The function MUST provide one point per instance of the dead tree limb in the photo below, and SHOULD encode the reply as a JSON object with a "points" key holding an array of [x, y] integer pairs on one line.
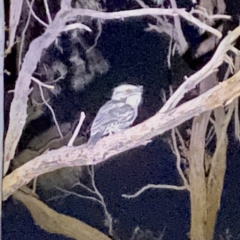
{"points": [[221, 95], [54, 222]]}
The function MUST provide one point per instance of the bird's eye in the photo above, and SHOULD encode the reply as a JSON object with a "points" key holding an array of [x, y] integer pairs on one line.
{"points": [[128, 90]]}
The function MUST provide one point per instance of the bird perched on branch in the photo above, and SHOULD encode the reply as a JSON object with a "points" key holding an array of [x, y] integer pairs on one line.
{"points": [[118, 113]]}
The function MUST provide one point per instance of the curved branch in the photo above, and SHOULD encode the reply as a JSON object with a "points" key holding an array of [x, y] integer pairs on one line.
{"points": [[212, 66], [139, 135], [54, 222], [152, 186]]}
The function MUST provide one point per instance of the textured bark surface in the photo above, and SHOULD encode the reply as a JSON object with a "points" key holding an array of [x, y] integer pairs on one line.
{"points": [[198, 191], [206, 189], [206, 179]]}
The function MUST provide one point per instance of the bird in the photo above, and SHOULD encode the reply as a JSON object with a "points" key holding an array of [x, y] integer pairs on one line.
{"points": [[118, 113]]}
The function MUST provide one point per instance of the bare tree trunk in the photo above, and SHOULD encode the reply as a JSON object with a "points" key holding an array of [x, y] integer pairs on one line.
{"points": [[216, 176], [207, 173], [198, 190]]}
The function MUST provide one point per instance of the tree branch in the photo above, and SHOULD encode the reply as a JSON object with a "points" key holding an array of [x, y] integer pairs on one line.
{"points": [[113, 145], [218, 58], [54, 222], [152, 186]]}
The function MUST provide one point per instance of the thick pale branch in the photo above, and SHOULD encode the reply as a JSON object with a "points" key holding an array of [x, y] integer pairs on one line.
{"points": [[215, 181], [144, 12], [54, 222], [18, 113], [131, 138], [212, 66], [18, 110]]}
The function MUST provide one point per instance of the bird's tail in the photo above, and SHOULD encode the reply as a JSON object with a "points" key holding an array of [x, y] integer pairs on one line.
{"points": [[94, 139]]}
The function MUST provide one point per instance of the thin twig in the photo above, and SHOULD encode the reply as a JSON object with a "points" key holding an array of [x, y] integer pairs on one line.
{"points": [[42, 84], [98, 35], [180, 138], [68, 193], [84, 187], [82, 117], [210, 135], [56, 80], [47, 11], [77, 25], [35, 16], [100, 196], [152, 186], [169, 52], [236, 105], [209, 17], [179, 159], [50, 108], [144, 12]]}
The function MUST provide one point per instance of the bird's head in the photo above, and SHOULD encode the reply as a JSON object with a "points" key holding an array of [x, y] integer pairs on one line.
{"points": [[128, 91]]}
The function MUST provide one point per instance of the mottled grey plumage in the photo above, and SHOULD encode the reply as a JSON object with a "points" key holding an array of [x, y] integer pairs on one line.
{"points": [[118, 113]]}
